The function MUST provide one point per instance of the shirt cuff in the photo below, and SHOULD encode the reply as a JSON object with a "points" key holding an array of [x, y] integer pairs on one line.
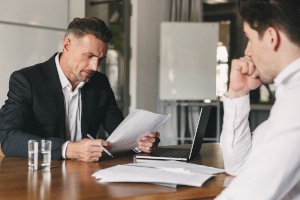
{"points": [[64, 149], [240, 104], [235, 111]]}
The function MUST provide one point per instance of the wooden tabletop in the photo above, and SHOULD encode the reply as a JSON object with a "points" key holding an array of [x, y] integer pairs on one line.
{"points": [[69, 179]]}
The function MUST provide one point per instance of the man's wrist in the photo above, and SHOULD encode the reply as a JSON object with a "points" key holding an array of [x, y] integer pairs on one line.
{"points": [[233, 95]]}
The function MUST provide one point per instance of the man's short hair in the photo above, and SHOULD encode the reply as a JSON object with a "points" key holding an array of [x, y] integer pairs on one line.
{"points": [[283, 15], [89, 25]]}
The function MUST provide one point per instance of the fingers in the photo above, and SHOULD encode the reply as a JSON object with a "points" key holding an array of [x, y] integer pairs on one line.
{"points": [[92, 156], [99, 142], [254, 75], [243, 77], [151, 137], [150, 142], [86, 150], [247, 66], [154, 134]]}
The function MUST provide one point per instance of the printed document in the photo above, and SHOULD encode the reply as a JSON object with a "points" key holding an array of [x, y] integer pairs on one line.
{"points": [[137, 124], [166, 173]]}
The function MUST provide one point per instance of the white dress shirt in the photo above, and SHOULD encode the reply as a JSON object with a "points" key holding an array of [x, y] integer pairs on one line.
{"points": [[73, 107], [267, 161]]}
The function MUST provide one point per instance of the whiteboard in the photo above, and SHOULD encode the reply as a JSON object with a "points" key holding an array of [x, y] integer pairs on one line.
{"points": [[187, 69], [23, 46]]}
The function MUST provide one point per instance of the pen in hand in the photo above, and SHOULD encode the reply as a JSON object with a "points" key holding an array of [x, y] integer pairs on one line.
{"points": [[104, 149]]}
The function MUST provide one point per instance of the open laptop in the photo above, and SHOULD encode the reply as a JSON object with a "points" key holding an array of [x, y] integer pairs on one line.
{"points": [[181, 154]]}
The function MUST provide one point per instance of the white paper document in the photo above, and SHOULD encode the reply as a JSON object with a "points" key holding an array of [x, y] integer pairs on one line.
{"points": [[166, 173], [136, 125], [173, 165]]}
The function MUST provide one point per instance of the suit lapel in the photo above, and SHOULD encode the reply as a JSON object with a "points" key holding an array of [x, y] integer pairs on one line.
{"points": [[87, 98], [55, 91], [54, 88]]}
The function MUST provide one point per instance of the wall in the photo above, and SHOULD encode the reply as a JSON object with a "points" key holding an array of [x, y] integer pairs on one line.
{"points": [[144, 66], [31, 32], [145, 29]]}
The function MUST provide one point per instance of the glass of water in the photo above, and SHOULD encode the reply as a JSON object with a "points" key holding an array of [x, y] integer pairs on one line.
{"points": [[39, 154]]}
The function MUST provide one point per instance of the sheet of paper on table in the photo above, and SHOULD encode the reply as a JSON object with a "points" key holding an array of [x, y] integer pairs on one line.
{"points": [[166, 173], [136, 125]]}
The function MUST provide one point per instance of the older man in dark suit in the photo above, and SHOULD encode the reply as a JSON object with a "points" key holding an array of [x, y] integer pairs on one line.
{"points": [[64, 99]]}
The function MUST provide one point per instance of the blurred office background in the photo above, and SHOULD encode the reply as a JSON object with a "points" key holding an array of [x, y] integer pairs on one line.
{"points": [[33, 30]]}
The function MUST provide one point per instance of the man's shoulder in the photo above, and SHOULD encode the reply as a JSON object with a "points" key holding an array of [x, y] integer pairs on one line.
{"points": [[39, 68], [36, 67], [36, 74]]}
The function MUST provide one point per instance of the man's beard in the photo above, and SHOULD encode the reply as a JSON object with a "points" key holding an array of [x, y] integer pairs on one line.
{"points": [[79, 78]]}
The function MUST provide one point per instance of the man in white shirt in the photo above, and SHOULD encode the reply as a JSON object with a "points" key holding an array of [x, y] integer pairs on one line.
{"points": [[266, 163]]}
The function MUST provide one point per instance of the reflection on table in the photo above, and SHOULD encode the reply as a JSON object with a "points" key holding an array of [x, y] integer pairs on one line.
{"points": [[70, 179]]}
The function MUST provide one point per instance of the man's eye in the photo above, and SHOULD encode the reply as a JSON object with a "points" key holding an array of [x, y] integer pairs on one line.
{"points": [[89, 56], [102, 61]]}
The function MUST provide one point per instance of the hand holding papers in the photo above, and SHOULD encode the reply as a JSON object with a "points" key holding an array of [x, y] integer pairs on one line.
{"points": [[167, 173], [136, 125]]}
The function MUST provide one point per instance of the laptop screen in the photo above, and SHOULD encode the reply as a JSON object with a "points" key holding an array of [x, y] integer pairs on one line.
{"points": [[200, 130]]}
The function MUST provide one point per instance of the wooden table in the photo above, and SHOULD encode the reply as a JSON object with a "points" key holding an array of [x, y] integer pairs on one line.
{"points": [[69, 179]]}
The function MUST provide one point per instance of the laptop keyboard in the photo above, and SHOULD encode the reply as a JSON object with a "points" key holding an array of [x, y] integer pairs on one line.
{"points": [[176, 153]]}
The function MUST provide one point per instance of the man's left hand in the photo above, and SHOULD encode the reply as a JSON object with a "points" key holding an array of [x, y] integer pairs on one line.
{"points": [[149, 143]]}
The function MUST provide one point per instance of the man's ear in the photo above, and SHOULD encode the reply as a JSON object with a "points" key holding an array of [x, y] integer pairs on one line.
{"points": [[273, 38], [66, 44]]}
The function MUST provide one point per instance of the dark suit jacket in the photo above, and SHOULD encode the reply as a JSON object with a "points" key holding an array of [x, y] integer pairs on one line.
{"points": [[35, 109]]}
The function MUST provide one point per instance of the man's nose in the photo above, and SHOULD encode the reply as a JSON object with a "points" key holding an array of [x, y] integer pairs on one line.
{"points": [[247, 51], [94, 64]]}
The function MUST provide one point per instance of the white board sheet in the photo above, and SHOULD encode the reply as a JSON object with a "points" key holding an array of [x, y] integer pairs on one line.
{"points": [[188, 60]]}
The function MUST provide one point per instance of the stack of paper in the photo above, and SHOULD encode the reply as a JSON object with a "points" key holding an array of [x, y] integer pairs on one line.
{"points": [[167, 173]]}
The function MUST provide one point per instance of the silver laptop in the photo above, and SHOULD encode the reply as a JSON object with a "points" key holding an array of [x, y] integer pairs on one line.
{"points": [[181, 154]]}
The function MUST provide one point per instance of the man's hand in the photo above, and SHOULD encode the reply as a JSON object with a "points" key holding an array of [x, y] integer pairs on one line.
{"points": [[243, 77], [86, 150], [149, 143]]}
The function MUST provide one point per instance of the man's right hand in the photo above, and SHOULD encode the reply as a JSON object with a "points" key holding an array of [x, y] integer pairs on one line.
{"points": [[86, 150], [243, 77]]}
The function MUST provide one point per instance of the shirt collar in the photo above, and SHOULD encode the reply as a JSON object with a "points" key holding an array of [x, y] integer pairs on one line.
{"points": [[287, 72]]}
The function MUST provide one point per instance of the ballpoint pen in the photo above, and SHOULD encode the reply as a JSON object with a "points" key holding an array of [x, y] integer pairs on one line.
{"points": [[104, 149]]}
